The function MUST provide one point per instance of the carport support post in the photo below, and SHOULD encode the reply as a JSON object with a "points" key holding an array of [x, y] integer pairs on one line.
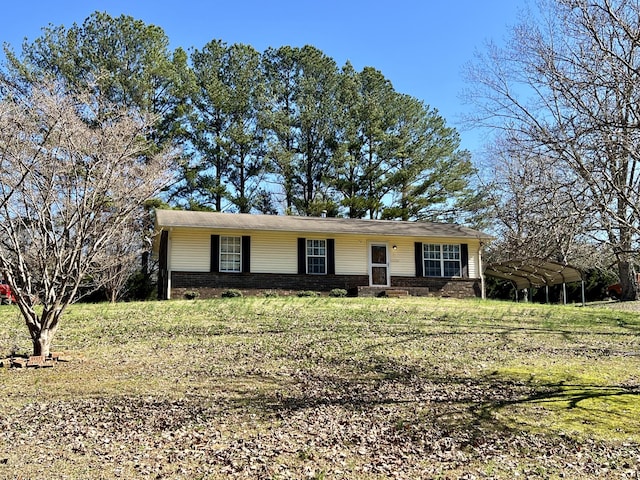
{"points": [[546, 292], [483, 288]]}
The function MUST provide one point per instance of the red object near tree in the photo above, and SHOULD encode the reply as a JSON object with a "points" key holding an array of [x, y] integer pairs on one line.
{"points": [[6, 295], [615, 290]]}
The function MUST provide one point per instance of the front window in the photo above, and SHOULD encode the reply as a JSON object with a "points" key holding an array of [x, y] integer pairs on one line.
{"points": [[441, 260], [317, 256], [230, 254]]}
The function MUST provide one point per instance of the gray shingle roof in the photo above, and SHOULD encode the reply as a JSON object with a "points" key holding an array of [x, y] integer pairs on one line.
{"points": [[243, 221]]}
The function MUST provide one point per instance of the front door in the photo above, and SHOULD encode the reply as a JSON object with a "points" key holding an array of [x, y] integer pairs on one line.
{"points": [[378, 265]]}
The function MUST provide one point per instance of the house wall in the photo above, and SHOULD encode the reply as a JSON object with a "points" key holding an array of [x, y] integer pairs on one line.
{"points": [[274, 264], [276, 252], [189, 250], [213, 284]]}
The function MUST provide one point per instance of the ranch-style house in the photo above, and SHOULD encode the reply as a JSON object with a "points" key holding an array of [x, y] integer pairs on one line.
{"points": [[212, 252]]}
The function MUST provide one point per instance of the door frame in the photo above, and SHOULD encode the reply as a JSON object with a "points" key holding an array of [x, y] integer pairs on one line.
{"points": [[371, 244]]}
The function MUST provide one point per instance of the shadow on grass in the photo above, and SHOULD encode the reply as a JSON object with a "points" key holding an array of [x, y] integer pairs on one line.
{"points": [[466, 409], [567, 395], [422, 392], [571, 338]]}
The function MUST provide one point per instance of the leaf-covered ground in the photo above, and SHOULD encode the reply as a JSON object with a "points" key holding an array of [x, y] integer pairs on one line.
{"points": [[326, 388]]}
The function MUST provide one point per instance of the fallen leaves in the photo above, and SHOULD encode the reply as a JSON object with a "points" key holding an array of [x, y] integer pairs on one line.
{"points": [[332, 395], [334, 430]]}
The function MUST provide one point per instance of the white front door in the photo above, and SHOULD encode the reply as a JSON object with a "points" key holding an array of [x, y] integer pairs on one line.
{"points": [[378, 265]]}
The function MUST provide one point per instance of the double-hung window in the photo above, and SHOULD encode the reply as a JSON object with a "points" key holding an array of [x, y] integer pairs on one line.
{"points": [[316, 256], [230, 254], [442, 260]]}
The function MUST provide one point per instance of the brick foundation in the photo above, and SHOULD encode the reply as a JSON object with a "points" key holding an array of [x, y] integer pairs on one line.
{"points": [[213, 284]]}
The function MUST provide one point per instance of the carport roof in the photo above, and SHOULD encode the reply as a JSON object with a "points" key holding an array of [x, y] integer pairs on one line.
{"points": [[534, 272]]}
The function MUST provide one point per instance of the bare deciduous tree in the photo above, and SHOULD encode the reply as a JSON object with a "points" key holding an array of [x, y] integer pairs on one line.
{"points": [[72, 183], [538, 215], [120, 260], [568, 87]]}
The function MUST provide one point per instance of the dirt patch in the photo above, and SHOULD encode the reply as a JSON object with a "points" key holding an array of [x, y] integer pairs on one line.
{"points": [[616, 305]]}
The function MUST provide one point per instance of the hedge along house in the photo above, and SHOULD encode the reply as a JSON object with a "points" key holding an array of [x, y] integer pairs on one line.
{"points": [[211, 252]]}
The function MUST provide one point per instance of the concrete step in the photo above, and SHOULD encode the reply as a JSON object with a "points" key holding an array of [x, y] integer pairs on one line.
{"points": [[396, 293]]}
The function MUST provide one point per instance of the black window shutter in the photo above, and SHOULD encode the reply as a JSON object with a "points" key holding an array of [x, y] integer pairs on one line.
{"points": [[302, 256], [163, 261], [419, 260], [331, 256], [215, 253], [464, 258], [246, 254], [163, 265]]}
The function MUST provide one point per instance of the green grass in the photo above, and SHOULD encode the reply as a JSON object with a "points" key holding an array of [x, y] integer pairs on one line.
{"points": [[326, 388]]}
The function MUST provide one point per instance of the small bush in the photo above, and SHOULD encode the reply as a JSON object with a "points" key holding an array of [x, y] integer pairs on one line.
{"points": [[191, 294], [271, 294], [308, 293], [231, 293], [338, 292], [140, 287]]}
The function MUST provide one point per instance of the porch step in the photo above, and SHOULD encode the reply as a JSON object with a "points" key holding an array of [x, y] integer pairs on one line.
{"points": [[396, 293], [401, 291]]}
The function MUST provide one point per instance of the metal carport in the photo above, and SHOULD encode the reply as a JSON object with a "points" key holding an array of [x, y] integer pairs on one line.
{"points": [[535, 272]]}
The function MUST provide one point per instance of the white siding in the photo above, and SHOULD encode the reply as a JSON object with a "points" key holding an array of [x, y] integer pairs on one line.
{"points": [[277, 252], [190, 250], [403, 262], [274, 252], [473, 260], [351, 255]]}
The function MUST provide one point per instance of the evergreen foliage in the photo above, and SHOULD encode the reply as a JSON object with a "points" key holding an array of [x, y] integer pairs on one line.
{"points": [[282, 131]]}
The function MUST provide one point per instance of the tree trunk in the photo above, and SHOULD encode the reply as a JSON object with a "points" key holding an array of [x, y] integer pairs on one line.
{"points": [[628, 281], [41, 328], [42, 343], [626, 269]]}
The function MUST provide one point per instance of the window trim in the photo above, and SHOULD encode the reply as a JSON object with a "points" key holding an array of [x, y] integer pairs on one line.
{"points": [[442, 260], [239, 254], [325, 256]]}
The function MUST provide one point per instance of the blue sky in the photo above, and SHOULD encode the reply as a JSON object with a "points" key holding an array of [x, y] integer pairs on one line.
{"points": [[420, 45]]}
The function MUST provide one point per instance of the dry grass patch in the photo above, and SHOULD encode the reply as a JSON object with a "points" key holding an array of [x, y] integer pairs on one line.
{"points": [[326, 388]]}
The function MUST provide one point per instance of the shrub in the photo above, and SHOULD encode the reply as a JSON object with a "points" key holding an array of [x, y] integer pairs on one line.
{"points": [[271, 294], [308, 293], [140, 287], [338, 292], [191, 294], [231, 293]]}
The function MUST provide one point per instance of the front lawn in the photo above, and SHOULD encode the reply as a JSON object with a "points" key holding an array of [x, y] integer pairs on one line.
{"points": [[278, 388]]}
